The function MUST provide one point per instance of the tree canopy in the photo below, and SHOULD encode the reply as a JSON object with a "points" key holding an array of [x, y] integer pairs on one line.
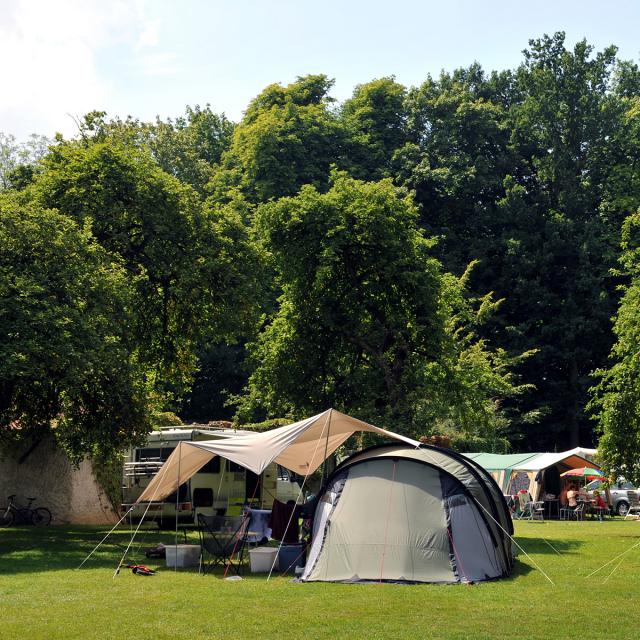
{"points": [[66, 357], [444, 257]]}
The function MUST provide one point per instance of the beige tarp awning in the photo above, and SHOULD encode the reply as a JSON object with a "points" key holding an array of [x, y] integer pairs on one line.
{"points": [[301, 447]]}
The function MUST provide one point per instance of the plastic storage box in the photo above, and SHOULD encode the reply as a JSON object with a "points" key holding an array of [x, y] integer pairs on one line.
{"points": [[261, 559], [291, 556], [182, 555]]}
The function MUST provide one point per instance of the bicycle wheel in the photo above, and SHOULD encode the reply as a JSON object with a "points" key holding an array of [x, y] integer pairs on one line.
{"points": [[41, 517], [6, 518]]}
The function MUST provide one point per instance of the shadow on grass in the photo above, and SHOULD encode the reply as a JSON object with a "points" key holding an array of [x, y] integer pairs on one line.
{"points": [[552, 546], [32, 549]]}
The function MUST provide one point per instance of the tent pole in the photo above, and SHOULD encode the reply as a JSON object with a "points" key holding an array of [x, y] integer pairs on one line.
{"points": [[177, 502], [326, 448], [313, 457]]}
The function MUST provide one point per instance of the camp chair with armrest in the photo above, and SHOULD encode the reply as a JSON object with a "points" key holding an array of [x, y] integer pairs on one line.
{"points": [[523, 507], [527, 511], [222, 541]]}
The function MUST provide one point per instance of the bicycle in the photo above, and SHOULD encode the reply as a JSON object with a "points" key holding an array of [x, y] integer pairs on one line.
{"points": [[13, 514]]}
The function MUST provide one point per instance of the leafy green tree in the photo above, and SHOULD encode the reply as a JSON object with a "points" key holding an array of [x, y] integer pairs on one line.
{"points": [[366, 321], [456, 162], [359, 309], [468, 391], [17, 159], [565, 125], [375, 118], [193, 267], [67, 360], [288, 137], [616, 400], [187, 147], [516, 170]]}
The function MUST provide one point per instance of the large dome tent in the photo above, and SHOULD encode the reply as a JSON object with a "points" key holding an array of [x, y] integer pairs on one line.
{"points": [[401, 514]]}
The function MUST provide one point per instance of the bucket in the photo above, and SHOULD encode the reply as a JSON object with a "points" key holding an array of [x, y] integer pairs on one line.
{"points": [[291, 556]]}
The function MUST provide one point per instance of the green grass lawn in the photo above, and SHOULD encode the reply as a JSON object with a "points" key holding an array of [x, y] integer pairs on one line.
{"points": [[42, 595]]}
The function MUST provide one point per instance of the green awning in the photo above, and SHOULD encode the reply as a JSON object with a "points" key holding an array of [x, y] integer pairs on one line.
{"points": [[500, 462]]}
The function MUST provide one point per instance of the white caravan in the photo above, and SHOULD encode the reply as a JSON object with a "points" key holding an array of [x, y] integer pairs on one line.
{"points": [[221, 487]]}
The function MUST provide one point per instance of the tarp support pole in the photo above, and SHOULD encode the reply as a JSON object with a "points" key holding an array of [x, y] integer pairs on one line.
{"points": [[177, 502], [313, 457]]}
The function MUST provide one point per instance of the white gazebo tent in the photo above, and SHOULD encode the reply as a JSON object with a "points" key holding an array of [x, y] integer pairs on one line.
{"points": [[300, 447]]}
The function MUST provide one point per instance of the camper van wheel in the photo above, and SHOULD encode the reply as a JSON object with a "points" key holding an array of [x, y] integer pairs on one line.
{"points": [[622, 508]]}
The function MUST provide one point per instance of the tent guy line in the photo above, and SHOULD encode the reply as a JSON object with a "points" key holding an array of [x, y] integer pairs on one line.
{"points": [[124, 555], [606, 564], [509, 535], [535, 564]]}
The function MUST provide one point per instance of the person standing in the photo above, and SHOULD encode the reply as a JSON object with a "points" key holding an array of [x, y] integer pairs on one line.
{"points": [[572, 497]]}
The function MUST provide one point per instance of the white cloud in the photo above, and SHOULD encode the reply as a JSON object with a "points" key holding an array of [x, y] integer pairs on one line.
{"points": [[148, 37], [49, 54], [158, 64]]}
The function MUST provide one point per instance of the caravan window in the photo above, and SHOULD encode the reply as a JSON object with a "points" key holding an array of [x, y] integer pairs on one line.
{"points": [[213, 466], [153, 454], [148, 455], [203, 497], [232, 466]]}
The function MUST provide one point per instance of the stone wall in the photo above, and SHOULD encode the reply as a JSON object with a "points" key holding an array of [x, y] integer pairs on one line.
{"points": [[72, 495]]}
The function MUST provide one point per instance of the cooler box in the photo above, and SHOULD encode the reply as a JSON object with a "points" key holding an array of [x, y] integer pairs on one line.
{"points": [[261, 559], [291, 556], [182, 555]]}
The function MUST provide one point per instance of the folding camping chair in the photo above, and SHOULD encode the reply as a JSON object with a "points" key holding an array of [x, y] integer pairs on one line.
{"points": [[524, 510], [578, 512], [222, 541], [537, 511]]}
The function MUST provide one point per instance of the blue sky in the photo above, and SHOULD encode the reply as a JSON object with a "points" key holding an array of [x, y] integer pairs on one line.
{"points": [[62, 58]]}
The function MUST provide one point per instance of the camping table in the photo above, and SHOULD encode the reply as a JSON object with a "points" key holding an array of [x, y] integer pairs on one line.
{"points": [[552, 508]]}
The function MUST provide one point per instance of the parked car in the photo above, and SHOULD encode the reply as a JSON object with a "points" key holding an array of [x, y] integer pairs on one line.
{"points": [[623, 495]]}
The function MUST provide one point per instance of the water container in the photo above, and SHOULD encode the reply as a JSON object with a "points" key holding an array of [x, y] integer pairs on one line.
{"points": [[291, 556]]}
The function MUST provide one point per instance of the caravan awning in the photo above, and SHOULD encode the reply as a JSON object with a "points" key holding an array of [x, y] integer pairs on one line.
{"points": [[546, 460], [301, 447]]}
